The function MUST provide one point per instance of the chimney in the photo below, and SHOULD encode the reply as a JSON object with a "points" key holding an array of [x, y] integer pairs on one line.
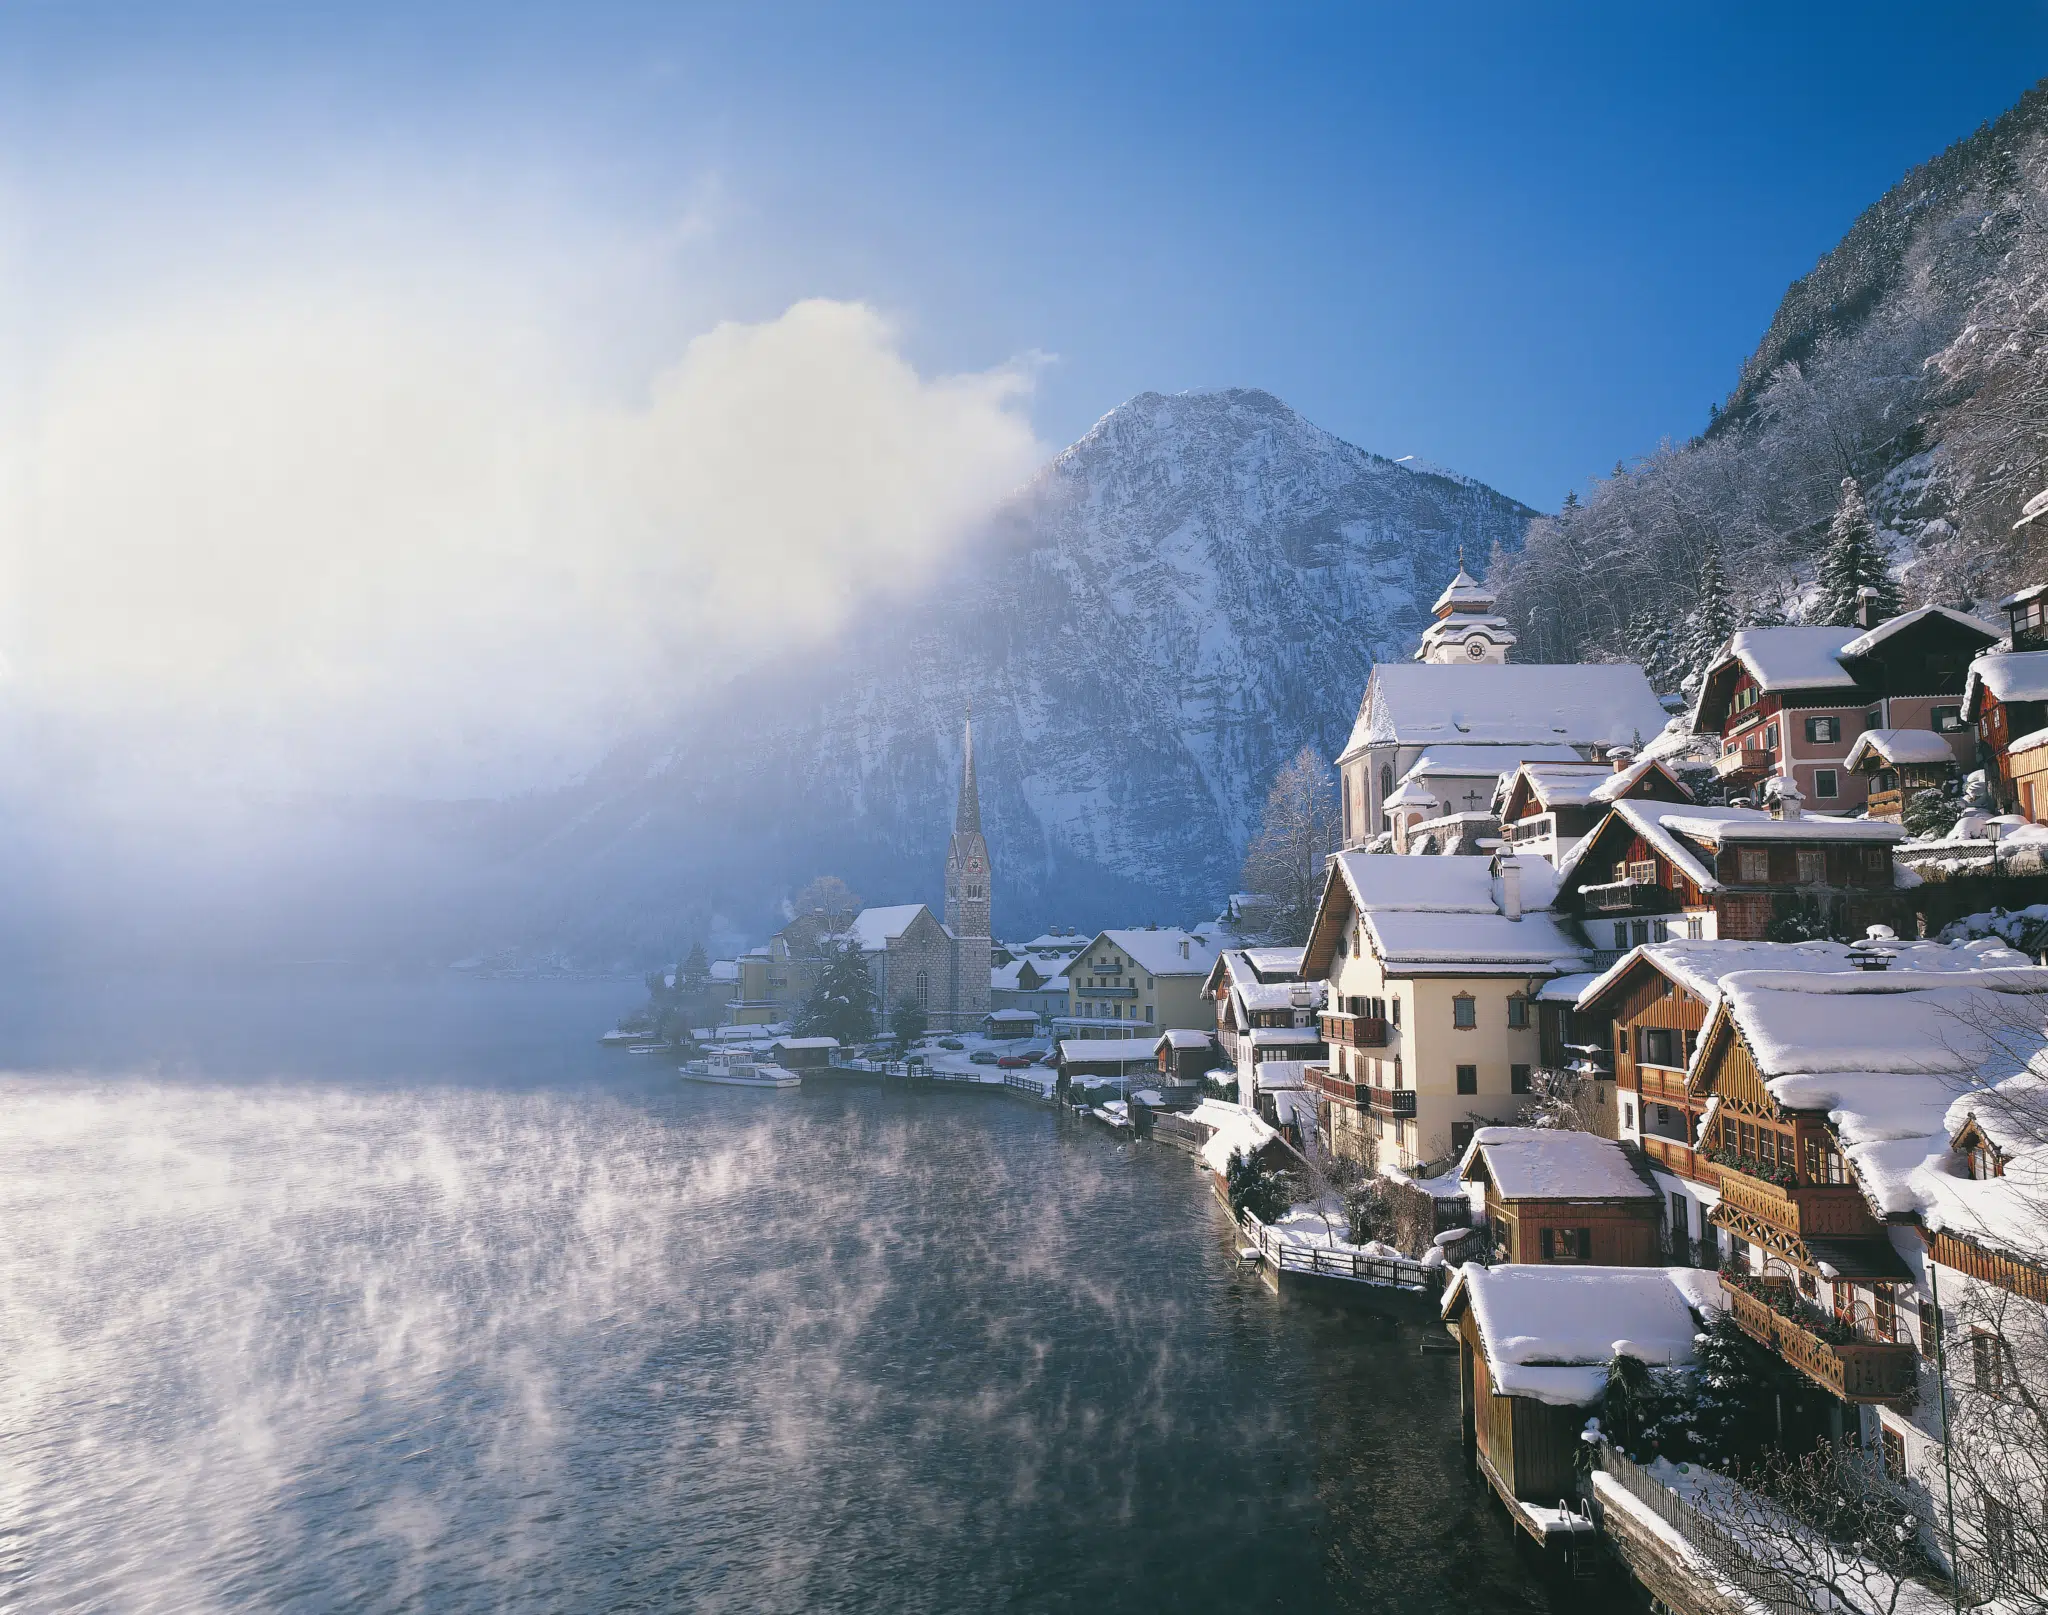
{"points": [[1781, 798], [1621, 757], [1511, 888], [1866, 607]]}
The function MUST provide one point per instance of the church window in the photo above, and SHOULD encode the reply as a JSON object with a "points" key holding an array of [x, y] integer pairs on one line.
{"points": [[1386, 780], [924, 990]]}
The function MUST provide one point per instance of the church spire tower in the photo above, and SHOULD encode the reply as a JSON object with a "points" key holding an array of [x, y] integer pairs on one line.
{"points": [[968, 875]]}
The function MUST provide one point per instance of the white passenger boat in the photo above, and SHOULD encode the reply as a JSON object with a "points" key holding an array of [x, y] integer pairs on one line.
{"points": [[735, 1069]]}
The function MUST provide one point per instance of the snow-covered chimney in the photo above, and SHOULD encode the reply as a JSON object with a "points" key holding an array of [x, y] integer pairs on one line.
{"points": [[1781, 798], [1866, 607], [1621, 757], [1511, 888]]}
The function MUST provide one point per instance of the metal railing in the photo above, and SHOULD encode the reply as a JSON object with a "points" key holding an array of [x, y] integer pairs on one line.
{"points": [[1397, 1271]]}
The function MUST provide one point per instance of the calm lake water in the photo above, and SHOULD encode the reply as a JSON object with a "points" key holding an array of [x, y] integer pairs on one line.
{"points": [[350, 1295]]}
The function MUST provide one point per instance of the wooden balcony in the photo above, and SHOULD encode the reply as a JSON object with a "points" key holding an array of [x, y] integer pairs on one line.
{"points": [[1887, 804], [1855, 1370], [1811, 1211], [1334, 1085], [1745, 765], [1678, 1158], [1629, 897], [1661, 1083], [1359, 1031], [1398, 1103]]}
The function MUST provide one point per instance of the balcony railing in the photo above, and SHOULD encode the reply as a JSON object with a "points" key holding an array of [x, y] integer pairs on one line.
{"points": [[1396, 1102], [1538, 827], [1662, 1084], [1679, 1158], [1629, 897], [1336, 1086], [1107, 992], [1359, 1031], [1886, 804], [1856, 1370], [1808, 1211], [1746, 761]]}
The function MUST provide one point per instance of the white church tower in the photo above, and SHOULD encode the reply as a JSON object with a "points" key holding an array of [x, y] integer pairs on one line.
{"points": [[967, 897], [1466, 628]]}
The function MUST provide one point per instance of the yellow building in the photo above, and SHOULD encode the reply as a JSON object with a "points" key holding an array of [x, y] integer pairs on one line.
{"points": [[1152, 977], [1432, 967]]}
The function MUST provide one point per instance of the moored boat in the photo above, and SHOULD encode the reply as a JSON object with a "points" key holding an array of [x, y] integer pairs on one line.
{"points": [[733, 1069]]}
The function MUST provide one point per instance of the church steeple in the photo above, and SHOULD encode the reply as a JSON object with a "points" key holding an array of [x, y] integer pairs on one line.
{"points": [[968, 876]]}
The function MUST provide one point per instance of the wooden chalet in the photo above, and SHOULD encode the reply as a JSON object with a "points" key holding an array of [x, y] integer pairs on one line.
{"points": [[1559, 1196], [1896, 765], [1546, 808], [1811, 1269], [2006, 699], [1789, 702], [1654, 870], [1534, 1344]]}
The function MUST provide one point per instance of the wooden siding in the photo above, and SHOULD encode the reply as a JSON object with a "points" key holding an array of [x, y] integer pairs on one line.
{"points": [[1624, 1233], [2028, 1280]]}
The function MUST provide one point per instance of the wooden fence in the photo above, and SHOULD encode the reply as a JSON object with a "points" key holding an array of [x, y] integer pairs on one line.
{"points": [[1396, 1271]]}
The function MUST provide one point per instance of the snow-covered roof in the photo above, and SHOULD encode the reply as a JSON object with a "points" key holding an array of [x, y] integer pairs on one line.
{"points": [[1550, 1331], [1565, 989], [2034, 507], [1487, 761], [1899, 746], [1863, 644], [725, 970], [1057, 942], [1415, 704], [805, 1043], [1465, 592], [1383, 883], [1409, 793], [1791, 658], [1621, 781], [1273, 1074], [1886, 1055], [1274, 961], [1699, 967], [2009, 676], [1480, 943], [2004, 1211], [1717, 825], [1271, 995], [2028, 742], [1284, 1037], [1012, 1015], [1548, 1163], [1561, 784], [1160, 952], [1096, 1050], [1183, 1037], [1234, 1130], [873, 927]]}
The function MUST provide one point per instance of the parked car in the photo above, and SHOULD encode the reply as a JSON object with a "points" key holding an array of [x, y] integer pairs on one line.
{"points": [[1049, 1057], [951, 1043], [1014, 1062], [982, 1057]]}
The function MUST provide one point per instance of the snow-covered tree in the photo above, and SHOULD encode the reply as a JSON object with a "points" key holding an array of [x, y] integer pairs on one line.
{"points": [[1853, 561], [1298, 831], [842, 1005], [1712, 618], [692, 973]]}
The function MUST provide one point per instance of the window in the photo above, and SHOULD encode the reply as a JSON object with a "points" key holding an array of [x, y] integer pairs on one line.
{"points": [[1464, 1012], [1567, 1244], [1663, 1046], [1983, 1164], [1518, 1011], [1823, 1163], [1987, 1362], [1681, 1218], [1628, 1115], [1518, 1079], [1813, 866], [1873, 720], [1753, 865], [1461, 1136], [1893, 1446], [1822, 730], [1930, 1330], [1395, 1005], [1998, 1537], [1947, 720], [1386, 781], [1770, 737], [1884, 1312], [924, 990], [1745, 698], [1468, 1079], [1639, 932], [1825, 783]]}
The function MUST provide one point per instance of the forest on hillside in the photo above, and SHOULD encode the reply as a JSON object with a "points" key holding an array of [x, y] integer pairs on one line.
{"points": [[1912, 364]]}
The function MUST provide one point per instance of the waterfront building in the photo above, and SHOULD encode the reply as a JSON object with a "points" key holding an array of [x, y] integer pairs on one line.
{"points": [[1152, 977], [1554, 1195], [1264, 1010], [1431, 968]]}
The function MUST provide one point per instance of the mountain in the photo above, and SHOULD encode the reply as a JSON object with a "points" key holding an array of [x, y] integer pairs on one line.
{"points": [[1910, 359], [1168, 611]]}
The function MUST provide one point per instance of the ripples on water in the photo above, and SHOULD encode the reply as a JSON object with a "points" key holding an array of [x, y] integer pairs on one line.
{"points": [[370, 1342]]}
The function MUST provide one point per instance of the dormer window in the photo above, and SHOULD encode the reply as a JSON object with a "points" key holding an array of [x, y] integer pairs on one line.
{"points": [[1984, 1163]]}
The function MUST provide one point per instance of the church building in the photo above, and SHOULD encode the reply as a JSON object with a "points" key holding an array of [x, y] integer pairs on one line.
{"points": [[941, 968]]}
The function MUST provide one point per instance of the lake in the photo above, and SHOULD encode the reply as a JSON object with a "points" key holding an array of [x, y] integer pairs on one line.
{"points": [[322, 1293]]}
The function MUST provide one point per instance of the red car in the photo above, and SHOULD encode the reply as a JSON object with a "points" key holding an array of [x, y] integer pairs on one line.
{"points": [[1013, 1062]]}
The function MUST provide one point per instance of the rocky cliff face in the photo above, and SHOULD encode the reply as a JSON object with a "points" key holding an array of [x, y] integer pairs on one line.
{"points": [[1175, 605]]}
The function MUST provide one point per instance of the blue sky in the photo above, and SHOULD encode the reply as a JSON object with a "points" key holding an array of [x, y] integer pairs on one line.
{"points": [[1523, 241]]}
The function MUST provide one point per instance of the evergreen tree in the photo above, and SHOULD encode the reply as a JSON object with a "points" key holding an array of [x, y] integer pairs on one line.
{"points": [[1853, 560], [691, 974], [1252, 1188], [907, 1022], [1711, 620], [1652, 644], [842, 1005]]}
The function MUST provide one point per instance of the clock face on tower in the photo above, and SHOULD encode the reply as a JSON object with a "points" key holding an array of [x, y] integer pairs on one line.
{"points": [[1475, 648]]}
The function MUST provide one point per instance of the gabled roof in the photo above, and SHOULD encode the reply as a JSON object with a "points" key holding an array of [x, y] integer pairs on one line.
{"points": [[1549, 1163], [1441, 916], [2006, 676], [1159, 952], [1900, 746], [1274, 963], [1418, 703], [873, 928], [1868, 642], [1682, 834], [1555, 785], [1549, 1332], [1639, 779]]}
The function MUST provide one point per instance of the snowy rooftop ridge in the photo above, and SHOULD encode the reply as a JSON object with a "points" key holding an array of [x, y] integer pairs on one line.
{"points": [[1416, 703], [2008, 676], [1549, 1163], [1548, 1333]]}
